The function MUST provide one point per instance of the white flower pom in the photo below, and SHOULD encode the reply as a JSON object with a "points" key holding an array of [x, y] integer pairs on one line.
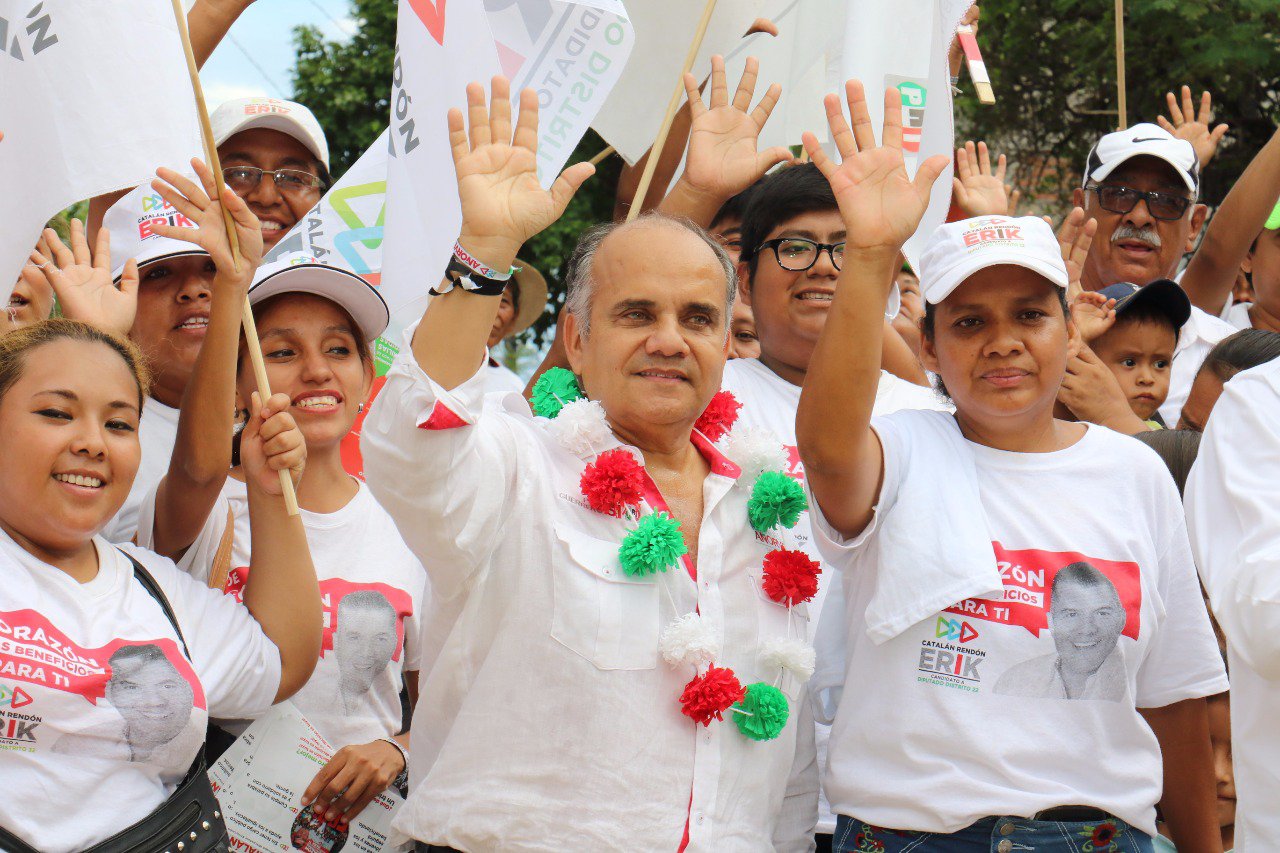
{"points": [[689, 640], [795, 656], [581, 427], [754, 450]]}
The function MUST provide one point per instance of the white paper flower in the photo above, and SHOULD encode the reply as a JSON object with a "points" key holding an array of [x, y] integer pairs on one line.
{"points": [[689, 640], [754, 450], [795, 656], [581, 427]]}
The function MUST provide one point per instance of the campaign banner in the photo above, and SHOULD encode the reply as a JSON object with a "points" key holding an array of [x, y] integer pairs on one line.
{"points": [[571, 54], [903, 46], [92, 97], [633, 113], [260, 780]]}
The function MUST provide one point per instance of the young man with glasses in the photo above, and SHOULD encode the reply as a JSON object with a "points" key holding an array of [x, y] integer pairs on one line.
{"points": [[1141, 185]]}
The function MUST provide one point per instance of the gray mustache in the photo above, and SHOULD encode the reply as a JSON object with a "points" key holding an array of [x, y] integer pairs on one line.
{"points": [[1143, 235]]}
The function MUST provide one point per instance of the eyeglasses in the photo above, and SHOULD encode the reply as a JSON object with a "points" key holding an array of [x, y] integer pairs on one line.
{"points": [[1121, 199], [797, 254], [245, 179]]}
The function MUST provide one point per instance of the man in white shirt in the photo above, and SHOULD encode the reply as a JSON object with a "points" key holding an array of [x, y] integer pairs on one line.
{"points": [[1141, 184], [1231, 501], [552, 720]]}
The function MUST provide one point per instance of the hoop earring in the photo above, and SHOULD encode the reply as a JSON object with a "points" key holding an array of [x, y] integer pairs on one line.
{"points": [[359, 408]]}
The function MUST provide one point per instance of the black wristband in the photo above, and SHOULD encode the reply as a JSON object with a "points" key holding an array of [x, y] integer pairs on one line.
{"points": [[458, 274]]}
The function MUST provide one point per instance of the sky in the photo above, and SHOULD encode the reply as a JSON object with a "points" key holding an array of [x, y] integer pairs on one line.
{"points": [[256, 58]]}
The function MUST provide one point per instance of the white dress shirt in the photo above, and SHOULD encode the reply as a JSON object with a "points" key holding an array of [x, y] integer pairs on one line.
{"points": [[547, 718], [1200, 334], [1232, 498]]}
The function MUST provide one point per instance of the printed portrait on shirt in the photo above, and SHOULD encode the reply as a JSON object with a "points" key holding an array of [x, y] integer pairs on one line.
{"points": [[365, 640], [154, 702], [1086, 618]]}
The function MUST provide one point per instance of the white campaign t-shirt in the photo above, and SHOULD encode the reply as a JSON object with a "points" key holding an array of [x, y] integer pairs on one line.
{"points": [[101, 713], [1014, 705], [770, 402], [373, 591], [1201, 332], [157, 433]]}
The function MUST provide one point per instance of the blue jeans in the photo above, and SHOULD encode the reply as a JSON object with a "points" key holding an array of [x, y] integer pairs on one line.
{"points": [[995, 835]]}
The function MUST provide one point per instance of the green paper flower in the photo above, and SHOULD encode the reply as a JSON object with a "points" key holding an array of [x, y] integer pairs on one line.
{"points": [[768, 709], [654, 546], [775, 499], [554, 390]]}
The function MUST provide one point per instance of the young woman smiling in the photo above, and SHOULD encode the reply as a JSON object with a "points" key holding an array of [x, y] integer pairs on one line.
{"points": [[1021, 628]]}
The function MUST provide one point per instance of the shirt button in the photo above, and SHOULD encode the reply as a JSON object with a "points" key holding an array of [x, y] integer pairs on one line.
{"points": [[701, 816], [1004, 846], [1006, 829]]}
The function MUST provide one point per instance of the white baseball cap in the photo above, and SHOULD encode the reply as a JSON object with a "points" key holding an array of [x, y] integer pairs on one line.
{"points": [[130, 220], [1143, 140], [288, 117], [957, 250], [298, 272]]}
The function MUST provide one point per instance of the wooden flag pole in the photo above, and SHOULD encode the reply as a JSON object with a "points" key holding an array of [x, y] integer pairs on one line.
{"points": [[602, 156], [655, 153], [215, 166], [1121, 98]]}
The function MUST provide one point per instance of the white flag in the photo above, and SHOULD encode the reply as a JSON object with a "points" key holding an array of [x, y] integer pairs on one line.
{"points": [[571, 54], [93, 97], [903, 45], [632, 115], [436, 56]]}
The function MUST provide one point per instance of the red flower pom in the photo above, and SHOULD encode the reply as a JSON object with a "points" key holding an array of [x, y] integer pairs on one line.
{"points": [[720, 416], [790, 577], [709, 695], [613, 483]]}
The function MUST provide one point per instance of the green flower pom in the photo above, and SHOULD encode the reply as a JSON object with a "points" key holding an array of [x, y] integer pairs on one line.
{"points": [[775, 499], [768, 709], [554, 390], [652, 547]]}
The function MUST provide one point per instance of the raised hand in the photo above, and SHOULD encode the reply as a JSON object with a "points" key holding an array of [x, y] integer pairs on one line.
{"points": [[1093, 394], [1185, 123], [81, 279], [503, 205], [1093, 315], [880, 204], [271, 442], [198, 202], [1074, 239], [723, 157], [977, 189]]}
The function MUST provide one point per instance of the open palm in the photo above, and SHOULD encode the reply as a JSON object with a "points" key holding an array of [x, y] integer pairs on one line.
{"points": [[880, 204], [723, 155], [503, 204], [82, 280]]}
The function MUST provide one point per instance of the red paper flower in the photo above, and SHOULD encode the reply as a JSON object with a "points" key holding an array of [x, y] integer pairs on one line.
{"points": [[709, 695], [790, 577], [720, 416], [613, 483]]}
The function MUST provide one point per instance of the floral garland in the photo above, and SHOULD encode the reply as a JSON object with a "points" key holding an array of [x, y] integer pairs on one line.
{"points": [[613, 484]]}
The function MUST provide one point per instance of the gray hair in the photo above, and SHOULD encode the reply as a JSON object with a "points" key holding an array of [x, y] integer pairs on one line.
{"points": [[580, 283]]}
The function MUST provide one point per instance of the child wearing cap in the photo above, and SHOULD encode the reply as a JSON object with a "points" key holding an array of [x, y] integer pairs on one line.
{"points": [[1134, 332], [1019, 672], [316, 324]]}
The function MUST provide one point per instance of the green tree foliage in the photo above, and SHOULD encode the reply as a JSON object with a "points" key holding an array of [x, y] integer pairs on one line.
{"points": [[347, 84], [1052, 65]]}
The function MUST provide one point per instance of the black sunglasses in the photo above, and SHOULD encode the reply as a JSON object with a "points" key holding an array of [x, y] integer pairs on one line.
{"points": [[1122, 199], [797, 254]]}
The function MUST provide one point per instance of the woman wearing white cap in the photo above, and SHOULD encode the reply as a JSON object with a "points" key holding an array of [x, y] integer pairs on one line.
{"points": [[315, 324], [992, 661]]}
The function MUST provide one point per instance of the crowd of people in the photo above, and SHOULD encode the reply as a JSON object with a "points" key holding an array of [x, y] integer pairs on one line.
{"points": [[786, 545]]}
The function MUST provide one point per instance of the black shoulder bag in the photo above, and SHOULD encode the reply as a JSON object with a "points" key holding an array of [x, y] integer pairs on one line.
{"points": [[190, 821]]}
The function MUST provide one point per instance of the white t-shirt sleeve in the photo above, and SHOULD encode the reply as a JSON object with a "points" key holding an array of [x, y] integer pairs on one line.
{"points": [[833, 546], [238, 665], [1183, 661]]}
